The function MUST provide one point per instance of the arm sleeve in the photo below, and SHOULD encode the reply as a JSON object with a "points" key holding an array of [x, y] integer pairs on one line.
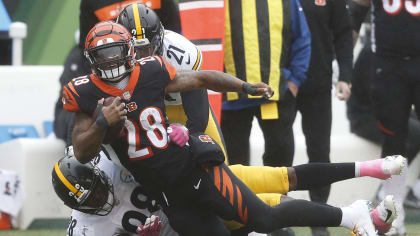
{"points": [[169, 15], [301, 46], [343, 39], [196, 107]]}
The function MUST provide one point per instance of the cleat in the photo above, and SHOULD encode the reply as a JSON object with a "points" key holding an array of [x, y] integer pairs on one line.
{"points": [[393, 165], [384, 214], [363, 225]]}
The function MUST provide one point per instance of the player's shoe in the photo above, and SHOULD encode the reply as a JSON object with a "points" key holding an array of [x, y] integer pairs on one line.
{"points": [[393, 165], [362, 222], [384, 214], [398, 226]]}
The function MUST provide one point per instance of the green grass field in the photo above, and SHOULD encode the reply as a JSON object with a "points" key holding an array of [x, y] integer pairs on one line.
{"points": [[412, 230]]}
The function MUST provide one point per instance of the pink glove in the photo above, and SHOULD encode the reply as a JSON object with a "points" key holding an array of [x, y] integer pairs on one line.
{"points": [[151, 227], [178, 134]]}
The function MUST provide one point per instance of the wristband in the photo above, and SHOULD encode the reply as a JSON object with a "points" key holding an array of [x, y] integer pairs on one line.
{"points": [[101, 120], [248, 89]]}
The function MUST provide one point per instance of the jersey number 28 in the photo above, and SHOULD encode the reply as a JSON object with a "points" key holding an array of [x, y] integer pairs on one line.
{"points": [[151, 122]]}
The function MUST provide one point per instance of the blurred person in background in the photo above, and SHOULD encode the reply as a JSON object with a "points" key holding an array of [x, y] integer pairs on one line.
{"points": [[92, 12], [395, 81], [330, 26], [363, 122], [266, 41]]}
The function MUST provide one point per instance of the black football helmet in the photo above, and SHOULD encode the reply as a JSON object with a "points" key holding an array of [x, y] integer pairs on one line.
{"points": [[109, 50], [145, 26], [82, 187]]}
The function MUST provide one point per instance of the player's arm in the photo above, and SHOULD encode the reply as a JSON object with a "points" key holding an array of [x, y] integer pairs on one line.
{"points": [[196, 108], [358, 11], [88, 133], [216, 81], [87, 137]]}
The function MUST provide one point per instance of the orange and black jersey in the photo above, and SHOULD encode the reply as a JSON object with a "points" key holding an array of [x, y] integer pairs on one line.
{"points": [[143, 148], [94, 11], [395, 28]]}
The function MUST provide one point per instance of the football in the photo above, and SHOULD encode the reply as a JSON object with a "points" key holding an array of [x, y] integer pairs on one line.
{"points": [[114, 131]]}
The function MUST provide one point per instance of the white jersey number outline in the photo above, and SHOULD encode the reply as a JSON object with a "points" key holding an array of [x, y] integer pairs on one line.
{"points": [[393, 7], [152, 122]]}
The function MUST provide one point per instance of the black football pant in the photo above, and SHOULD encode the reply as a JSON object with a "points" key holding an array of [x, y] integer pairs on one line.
{"points": [[194, 206], [365, 124], [395, 89], [278, 133], [315, 109]]}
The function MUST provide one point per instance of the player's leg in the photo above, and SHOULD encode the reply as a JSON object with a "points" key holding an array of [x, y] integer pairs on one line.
{"points": [[391, 102], [236, 128], [232, 200], [316, 126], [392, 96], [278, 133], [190, 221], [265, 179]]}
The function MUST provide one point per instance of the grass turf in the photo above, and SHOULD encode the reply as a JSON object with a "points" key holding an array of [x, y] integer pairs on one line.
{"points": [[412, 230]]}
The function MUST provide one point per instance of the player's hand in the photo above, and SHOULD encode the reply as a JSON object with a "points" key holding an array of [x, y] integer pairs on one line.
{"points": [[294, 89], [178, 134], [151, 227], [258, 89], [343, 90], [115, 112]]}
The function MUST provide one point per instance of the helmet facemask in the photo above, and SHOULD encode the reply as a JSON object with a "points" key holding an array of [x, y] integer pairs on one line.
{"points": [[112, 61], [99, 198], [145, 47]]}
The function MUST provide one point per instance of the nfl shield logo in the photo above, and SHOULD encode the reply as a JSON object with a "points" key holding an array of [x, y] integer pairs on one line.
{"points": [[320, 2], [126, 95]]}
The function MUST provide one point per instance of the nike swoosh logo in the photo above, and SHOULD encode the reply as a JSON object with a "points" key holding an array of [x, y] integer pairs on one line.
{"points": [[198, 185], [189, 61], [388, 215]]}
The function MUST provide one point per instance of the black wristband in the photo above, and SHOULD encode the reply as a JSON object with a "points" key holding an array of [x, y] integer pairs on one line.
{"points": [[101, 120], [358, 14], [248, 89]]}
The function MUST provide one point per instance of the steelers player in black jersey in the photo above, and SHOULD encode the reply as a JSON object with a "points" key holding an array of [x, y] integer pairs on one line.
{"points": [[90, 13], [395, 80], [191, 182]]}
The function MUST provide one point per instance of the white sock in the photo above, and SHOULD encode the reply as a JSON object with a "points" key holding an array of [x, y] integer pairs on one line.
{"points": [[416, 189], [357, 169], [346, 218]]}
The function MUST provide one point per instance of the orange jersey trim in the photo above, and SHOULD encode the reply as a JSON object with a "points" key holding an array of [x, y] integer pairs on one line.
{"points": [[134, 77], [170, 68], [69, 103], [111, 12]]}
